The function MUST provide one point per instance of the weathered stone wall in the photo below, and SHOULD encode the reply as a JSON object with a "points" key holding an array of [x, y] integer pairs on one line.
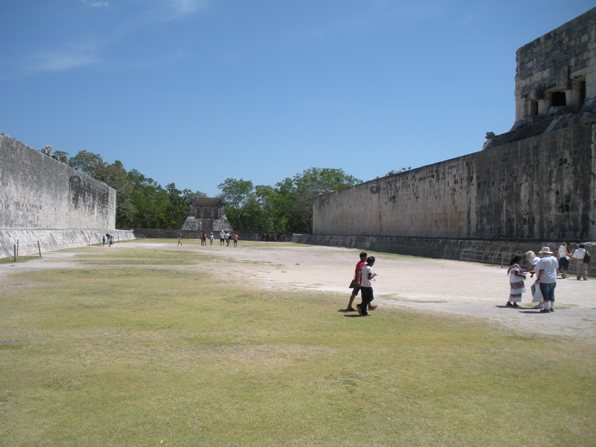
{"points": [[561, 62], [39, 192], [46, 205], [31, 242], [471, 250], [539, 189]]}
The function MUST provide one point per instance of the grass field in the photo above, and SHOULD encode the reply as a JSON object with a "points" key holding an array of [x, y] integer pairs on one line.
{"points": [[142, 347]]}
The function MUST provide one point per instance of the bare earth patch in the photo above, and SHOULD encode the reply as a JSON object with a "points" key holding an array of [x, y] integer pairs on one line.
{"points": [[421, 284]]}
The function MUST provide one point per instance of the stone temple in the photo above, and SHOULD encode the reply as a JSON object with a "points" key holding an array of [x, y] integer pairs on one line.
{"points": [[207, 214], [530, 186]]}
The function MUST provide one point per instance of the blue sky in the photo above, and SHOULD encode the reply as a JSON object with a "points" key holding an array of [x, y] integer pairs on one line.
{"points": [[196, 91]]}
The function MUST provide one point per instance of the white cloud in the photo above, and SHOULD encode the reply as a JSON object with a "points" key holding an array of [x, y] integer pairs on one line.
{"points": [[182, 8], [64, 59], [138, 15], [96, 3]]}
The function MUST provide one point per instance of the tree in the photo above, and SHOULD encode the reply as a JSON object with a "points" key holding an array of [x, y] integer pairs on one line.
{"points": [[241, 204], [278, 207], [89, 163], [177, 211], [304, 187], [115, 176], [235, 192], [61, 156], [287, 207]]}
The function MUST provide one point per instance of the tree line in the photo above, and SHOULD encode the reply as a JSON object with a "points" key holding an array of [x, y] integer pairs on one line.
{"points": [[285, 207]]}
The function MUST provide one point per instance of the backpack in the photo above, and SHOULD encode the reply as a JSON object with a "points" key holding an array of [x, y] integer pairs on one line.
{"points": [[587, 257]]}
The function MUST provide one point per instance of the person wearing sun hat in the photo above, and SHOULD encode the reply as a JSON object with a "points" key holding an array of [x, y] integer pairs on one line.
{"points": [[546, 277]]}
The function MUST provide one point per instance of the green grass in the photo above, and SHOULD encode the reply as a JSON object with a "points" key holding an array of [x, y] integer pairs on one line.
{"points": [[10, 260], [124, 352]]}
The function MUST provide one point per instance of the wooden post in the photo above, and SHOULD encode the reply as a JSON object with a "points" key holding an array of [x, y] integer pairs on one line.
{"points": [[15, 252], [39, 248]]}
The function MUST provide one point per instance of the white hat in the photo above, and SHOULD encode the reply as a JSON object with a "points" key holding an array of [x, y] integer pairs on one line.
{"points": [[545, 251]]}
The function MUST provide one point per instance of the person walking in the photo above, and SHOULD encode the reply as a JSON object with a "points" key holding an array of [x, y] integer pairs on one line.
{"points": [[355, 284], [546, 277], [581, 266], [516, 282], [366, 287], [535, 289], [564, 259]]}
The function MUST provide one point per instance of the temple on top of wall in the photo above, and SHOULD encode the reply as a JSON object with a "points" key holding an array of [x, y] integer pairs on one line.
{"points": [[535, 183]]}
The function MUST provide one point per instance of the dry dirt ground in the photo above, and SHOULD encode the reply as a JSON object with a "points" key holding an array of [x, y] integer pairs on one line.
{"points": [[427, 285]]}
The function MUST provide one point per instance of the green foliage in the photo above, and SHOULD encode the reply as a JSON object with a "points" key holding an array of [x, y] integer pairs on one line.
{"points": [[286, 207], [143, 203], [61, 156]]}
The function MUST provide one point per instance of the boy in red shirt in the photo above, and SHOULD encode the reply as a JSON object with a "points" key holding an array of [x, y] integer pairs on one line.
{"points": [[355, 284]]}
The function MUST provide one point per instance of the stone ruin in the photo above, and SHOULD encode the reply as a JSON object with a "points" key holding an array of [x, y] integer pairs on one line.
{"points": [[555, 81], [532, 185], [207, 214]]}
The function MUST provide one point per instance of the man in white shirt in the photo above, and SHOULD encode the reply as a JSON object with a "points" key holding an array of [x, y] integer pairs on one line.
{"points": [[581, 268], [546, 277]]}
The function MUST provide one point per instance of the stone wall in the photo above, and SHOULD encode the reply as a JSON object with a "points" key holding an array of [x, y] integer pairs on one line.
{"points": [[38, 192], [45, 205], [470, 250], [539, 189], [32, 242], [558, 70]]}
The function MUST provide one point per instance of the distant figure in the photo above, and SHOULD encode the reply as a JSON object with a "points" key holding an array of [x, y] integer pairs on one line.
{"points": [[516, 282], [546, 278], [235, 239], [222, 238], [228, 237], [203, 237], [355, 284], [366, 289], [564, 259], [581, 266], [103, 241], [179, 239], [489, 138], [211, 238]]}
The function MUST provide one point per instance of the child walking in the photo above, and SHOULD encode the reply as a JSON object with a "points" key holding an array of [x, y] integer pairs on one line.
{"points": [[516, 282], [366, 289]]}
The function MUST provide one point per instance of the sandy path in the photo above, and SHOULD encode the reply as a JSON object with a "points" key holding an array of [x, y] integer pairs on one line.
{"points": [[429, 285]]}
